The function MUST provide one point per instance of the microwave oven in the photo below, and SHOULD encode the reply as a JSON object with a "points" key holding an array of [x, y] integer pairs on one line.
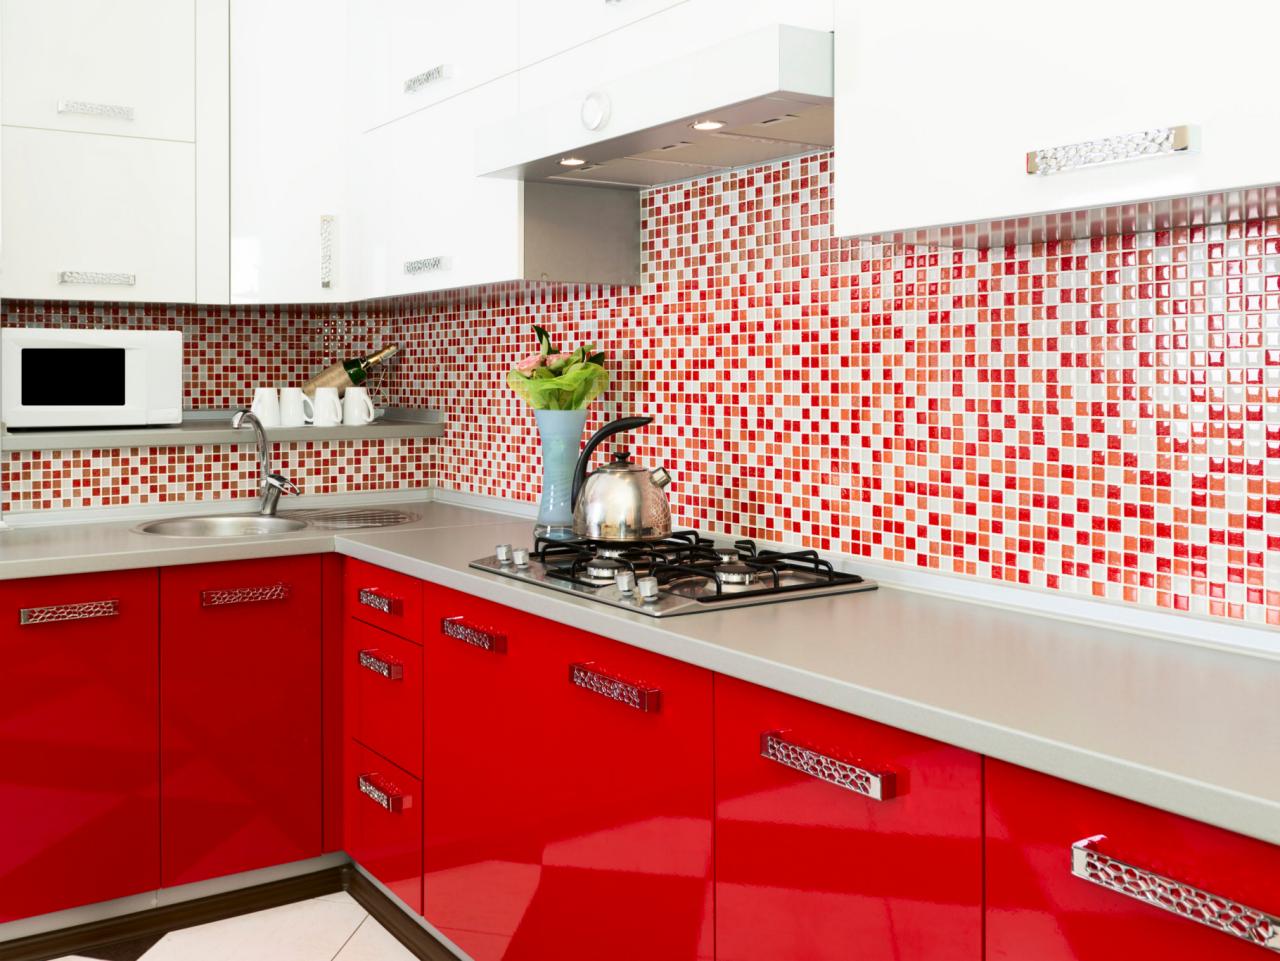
{"points": [[90, 378]]}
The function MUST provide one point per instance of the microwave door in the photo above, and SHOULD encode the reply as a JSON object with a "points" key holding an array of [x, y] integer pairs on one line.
{"points": [[78, 387]]}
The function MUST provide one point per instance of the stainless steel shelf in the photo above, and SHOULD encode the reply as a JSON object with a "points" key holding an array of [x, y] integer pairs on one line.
{"points": [[203, 429]]}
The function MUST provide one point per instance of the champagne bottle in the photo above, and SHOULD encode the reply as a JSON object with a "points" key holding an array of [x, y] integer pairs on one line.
{"points": [[348, 373]]}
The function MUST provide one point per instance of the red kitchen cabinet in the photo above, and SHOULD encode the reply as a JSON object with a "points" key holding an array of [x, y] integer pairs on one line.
{"points": [[568, 791], [78, 741], [383, 598], [1041, 831], [384, 694], [240, 716], [382, 806], [837, 837]]}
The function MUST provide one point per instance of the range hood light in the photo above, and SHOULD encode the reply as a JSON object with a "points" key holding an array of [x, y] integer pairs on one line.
{"points": [[571, 161], [704, 125]]}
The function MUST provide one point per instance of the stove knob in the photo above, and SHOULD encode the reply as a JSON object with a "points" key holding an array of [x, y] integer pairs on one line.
{"points": [[648, 587], [503, 553], [625, 581], [520, 556]]}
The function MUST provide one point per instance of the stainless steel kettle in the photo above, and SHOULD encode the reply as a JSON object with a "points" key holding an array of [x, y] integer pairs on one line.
{"points": [[621, 501]]}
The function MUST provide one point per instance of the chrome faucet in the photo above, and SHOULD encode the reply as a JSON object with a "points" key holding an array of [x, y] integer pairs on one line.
{"points": [[271, 486]]}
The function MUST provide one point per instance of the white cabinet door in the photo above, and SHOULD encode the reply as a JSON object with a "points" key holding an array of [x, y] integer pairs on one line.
{"points": [[938, 104], [288, 163], [553, 26], [123, 67], [411, 54], [427, 222], [97, 218]]}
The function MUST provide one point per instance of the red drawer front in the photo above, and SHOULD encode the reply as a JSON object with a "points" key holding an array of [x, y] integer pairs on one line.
{"points": [[78, 741], [809, 867], [382, 807], [384, 685], [240, 716], [1037, 908], [384, 599], [610, 855]]}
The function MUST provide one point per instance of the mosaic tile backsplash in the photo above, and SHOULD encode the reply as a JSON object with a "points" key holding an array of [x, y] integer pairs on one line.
{"points": [[1099, 417]]}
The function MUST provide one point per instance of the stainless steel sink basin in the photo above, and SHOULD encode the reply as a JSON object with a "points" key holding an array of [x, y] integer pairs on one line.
{"points": [[223, 525]]}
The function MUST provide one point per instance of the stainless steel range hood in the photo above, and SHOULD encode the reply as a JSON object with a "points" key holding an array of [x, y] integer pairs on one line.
{"points": [[771, 90]]}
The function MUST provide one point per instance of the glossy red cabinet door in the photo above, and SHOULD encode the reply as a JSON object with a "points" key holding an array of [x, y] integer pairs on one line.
{"points": [[384, 694], [382, 808], [560, 823], [1037, 908], [240, 716], [810, 869], [79, 810], [386, 599]]}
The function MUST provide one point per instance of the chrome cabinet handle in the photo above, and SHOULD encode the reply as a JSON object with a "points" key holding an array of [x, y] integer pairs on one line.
{"points": [[225, 596], [109, 110], [328, 225], [383, 664], [57, 613], [383, 793], [426, 265], [386, 603], [486, 640], [97, 278], [639, 697], [877, 785], [441, 71], [1158, 142], [1221, 914]]}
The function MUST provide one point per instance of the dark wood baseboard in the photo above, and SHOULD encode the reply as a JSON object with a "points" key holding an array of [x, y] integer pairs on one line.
{"points": [[393, 917], [172, 917]]}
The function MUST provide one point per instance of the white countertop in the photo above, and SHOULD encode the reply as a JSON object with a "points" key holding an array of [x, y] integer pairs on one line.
{"points": [[1181, 727]]}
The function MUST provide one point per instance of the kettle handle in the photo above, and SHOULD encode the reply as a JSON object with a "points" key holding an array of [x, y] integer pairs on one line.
{"points": [[604, 433]]}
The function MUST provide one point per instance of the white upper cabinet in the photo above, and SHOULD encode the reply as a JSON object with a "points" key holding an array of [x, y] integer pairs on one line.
{"points": [[122, 67], [553, 26], [938, 104], [289, 215], [414, 53], [114, 149]]}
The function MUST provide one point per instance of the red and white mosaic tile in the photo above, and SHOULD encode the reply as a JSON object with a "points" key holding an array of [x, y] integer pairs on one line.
{"points": [[1099, 417]]}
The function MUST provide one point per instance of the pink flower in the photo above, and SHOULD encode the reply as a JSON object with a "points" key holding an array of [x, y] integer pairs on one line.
{"points": [[556, 358], [529, 363]]}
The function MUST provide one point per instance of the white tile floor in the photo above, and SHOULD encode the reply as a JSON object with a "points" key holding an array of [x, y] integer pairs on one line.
{"points": [[329, 928]]}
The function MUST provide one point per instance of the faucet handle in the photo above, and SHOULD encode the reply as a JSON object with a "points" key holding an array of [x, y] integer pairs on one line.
{"points": [[280, 483]]}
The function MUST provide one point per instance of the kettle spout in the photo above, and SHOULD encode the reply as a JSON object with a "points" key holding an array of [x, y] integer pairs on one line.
{"points": [[660, 476]]}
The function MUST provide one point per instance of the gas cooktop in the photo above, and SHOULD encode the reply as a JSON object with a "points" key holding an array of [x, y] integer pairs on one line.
{"points": [[683, 574]]}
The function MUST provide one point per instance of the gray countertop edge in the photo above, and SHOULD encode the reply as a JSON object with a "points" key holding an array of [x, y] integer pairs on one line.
{"points": [[207, 432], [1256, 817]]}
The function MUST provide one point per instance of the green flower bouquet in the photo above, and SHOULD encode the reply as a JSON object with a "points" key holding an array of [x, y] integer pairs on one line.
{"points": [[553, 379]]}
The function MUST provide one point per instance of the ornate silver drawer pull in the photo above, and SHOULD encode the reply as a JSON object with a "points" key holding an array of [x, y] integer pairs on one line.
{"points": [[384, 794], [1221, 914], [1141, 145], [459, 629], [57, 613], [386, 603], [97, 278], [379, 663], [426, 265], [224, 596], [427, 77], [328, 224], [647, 699], [877, 785], [110, 110]]}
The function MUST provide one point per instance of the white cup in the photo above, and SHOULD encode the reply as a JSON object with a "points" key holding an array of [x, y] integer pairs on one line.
{"points": [[327, 409], [357, 408], [266, 406], [293, 407]]}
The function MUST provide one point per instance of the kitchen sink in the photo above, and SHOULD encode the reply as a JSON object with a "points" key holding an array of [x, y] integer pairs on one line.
{"points": [[223, 525]]}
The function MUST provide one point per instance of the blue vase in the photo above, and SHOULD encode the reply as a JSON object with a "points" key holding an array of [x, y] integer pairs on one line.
{"points": [[561, 433]]}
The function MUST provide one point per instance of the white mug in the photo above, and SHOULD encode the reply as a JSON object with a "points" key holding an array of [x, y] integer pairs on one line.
{"points": [[293, 407], [266, 406], [357, 408], [327, 409]]}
